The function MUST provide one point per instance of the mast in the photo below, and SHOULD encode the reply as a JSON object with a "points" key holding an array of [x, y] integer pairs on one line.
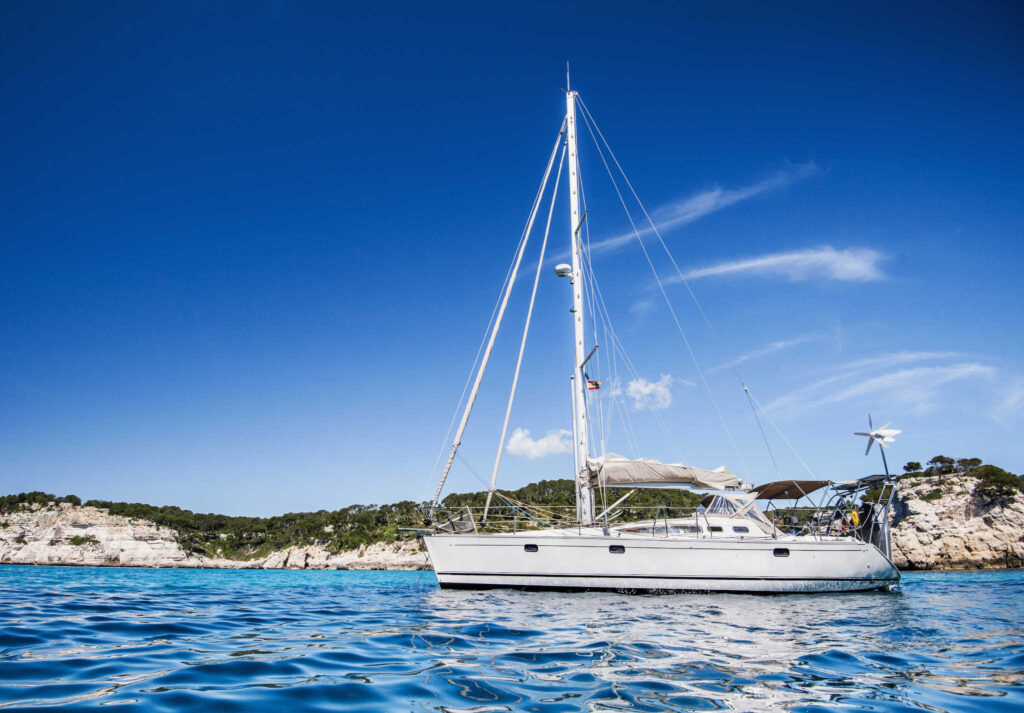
{"points": [[584, 495]]}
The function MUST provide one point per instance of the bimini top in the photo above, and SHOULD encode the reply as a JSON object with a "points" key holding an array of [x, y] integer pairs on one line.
{"points": [[787, 489], [613, 469]]}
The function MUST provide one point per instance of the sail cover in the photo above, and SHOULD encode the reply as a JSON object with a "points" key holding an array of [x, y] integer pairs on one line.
{"points": [[613, 469]]}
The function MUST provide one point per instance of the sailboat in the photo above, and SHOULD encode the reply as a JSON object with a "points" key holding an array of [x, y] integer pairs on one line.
{"points": [[728, 544]]}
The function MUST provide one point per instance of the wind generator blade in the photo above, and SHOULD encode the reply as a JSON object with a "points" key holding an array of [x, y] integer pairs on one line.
{"points": [[881, 443], [870, 441], [870, 425], [859, 433], [884, 427]]}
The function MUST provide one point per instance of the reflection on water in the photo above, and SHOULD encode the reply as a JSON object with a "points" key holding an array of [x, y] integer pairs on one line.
{"points": [[387, 641]]}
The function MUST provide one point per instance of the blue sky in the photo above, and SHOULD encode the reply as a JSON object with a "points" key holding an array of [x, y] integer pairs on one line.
{"points": [[248, 250]]}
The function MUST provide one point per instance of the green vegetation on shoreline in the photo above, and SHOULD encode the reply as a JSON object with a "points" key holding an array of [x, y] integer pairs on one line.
{"points": [[995, 482], [242, 538]]}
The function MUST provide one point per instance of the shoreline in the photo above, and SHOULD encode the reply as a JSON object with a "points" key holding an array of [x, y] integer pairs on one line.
{"points": [[935, 570], [70, 565], [948, 525]]}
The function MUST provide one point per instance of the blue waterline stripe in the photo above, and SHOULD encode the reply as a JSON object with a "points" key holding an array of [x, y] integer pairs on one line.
{"points": [[685, 577]]}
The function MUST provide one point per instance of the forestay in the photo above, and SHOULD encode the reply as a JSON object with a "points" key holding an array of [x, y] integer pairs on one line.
{"points": [[613, 469]]}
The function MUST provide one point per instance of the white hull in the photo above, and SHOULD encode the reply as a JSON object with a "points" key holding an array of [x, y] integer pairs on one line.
{"points": [[566, 560]]}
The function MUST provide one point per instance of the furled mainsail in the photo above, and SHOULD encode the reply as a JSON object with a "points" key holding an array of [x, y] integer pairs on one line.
{"points": [[613, 469]]}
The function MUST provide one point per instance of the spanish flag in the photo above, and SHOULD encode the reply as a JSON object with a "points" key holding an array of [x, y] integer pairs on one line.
{"points": [[593, 385]]}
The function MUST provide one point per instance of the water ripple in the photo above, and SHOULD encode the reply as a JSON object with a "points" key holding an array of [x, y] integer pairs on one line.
{"points": [[182, 640]]}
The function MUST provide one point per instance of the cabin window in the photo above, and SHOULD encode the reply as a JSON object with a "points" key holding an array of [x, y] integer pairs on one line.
{"points": [[742, 528], [530, 548], [781, 552], [715, 528], [616, 549]]}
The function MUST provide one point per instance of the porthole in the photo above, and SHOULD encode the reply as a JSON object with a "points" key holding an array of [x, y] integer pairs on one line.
{"points": [[530, 548], [616, 549], [743, 529], [781, 552]]}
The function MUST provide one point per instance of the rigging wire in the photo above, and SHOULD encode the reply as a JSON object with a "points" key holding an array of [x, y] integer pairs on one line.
{"points": [[596, 316], [601, 311], [588, 293], [761, 429], [470, 469], [589, 297], [469, 376], [661, 286], [617, 345], [526, 331], [693, 295], [779, 431], [535, 513], [497, 323]]}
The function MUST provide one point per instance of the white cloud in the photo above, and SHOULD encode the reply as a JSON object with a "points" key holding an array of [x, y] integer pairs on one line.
{"points": [[895, 359], [885, 361], [650, 394], [763, 351], [642, 307], [848, 265], [913, 387], [520, 443], [916, 387], [704, 203]]}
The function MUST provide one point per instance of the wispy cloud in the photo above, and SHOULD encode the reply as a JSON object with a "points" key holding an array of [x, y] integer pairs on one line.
{"points": [[642, 306], [704, 203], [914, 387], [884, 361], [1011, 404], [847, 265], [650, 394], [520, 443], [763, 351]]}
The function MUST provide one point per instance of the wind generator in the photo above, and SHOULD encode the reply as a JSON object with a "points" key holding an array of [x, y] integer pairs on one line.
{"points": [[882, 435]]}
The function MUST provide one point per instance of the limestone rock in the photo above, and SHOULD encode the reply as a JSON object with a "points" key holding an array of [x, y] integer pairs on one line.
{"points": [[74, 535], [958, 530], [90, 536]]}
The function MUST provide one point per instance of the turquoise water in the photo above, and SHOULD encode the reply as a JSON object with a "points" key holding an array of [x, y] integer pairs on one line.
{"points": [[176, 640]]}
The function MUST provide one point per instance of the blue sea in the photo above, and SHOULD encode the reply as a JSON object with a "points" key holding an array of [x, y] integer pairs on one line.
{"points": [[209, 640]]}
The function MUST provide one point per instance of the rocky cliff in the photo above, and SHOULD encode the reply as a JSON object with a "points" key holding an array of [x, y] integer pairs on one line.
{"points": [[68, 534], [950, 524]]}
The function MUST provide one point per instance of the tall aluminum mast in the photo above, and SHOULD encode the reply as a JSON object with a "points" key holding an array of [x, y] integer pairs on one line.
{"points": [[584, 494]]}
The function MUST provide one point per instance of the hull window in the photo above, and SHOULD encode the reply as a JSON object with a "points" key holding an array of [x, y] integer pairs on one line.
{"points": [[781, 552], [616, 549], [530, 548]]}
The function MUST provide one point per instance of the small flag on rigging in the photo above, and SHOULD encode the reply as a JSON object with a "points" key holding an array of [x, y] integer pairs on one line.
{"points": [[593, 385]]}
